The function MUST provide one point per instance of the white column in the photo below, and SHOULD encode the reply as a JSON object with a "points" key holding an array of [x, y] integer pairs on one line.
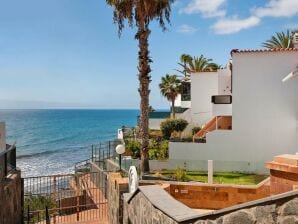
{"points": [[2, 137], [210, 171]]}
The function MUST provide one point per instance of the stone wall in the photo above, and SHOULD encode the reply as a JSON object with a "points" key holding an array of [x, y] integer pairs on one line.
{"points": [[281, 210], [142, 211], [11, 199], [116, 187]]}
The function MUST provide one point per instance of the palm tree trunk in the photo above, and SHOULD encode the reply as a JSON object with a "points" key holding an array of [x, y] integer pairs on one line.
{"points": [[173, 108], [144, 80]]}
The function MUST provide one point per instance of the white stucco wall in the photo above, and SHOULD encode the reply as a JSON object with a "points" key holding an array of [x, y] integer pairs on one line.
{"points": [[203, 86], [265, 112], [154, 123]]}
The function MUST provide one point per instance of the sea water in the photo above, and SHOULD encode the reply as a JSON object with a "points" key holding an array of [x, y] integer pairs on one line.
{"points": [[52, 141]]}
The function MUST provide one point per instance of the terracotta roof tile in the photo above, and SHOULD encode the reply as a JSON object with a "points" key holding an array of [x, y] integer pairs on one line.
{"points": [[235, 51]]}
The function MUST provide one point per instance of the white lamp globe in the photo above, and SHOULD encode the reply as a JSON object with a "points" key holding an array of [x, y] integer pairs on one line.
{"points": [[120, 149]]}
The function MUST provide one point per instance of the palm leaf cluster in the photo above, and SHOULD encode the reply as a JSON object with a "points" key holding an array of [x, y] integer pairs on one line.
{"points": [[280, 40], [140, 12], [191, 64]]}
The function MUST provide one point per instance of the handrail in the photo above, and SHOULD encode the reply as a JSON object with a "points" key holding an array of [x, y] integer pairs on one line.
{"points": [[11, 147], [8, 160]]}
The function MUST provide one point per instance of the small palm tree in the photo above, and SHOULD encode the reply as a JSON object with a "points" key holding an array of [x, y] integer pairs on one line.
{"points": [[280, 40], [184, 60], [170, 88], [141, 13]]}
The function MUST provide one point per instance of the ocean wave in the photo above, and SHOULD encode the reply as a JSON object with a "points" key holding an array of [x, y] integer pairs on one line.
{"points": [[48, 152]]}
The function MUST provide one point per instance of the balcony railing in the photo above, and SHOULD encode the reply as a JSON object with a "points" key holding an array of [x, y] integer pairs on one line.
{"points": [[185, 97], [7, 160], [222, 99]]}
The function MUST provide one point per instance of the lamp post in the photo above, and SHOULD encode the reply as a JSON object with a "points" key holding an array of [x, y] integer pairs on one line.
{"points": [[120, 149]]}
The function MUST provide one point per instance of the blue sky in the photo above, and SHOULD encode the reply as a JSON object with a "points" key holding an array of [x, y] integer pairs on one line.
{"points": [[66, 53]]}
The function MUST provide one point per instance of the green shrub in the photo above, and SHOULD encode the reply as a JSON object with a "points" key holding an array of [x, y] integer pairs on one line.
{"points": [[180, 174], [196, 130], [168, 126], [158, 150], [134, 147]]}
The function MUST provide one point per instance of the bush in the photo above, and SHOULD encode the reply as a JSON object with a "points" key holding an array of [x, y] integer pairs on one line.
{"points": [[155, 134], [133, 147], [196, 130], [180, 174], [168, 126], [158, 150]]}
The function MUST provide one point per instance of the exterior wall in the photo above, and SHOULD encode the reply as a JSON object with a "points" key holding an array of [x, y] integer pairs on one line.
{"points": [[11, 199], [140, 210], [224, 82], [116, 187], [203, 86], [283, 211], [265, 113], [222, 110], [155, 123]]}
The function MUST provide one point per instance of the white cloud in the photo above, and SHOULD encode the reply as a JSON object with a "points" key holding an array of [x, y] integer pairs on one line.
{"points": [[207, 8], [234, 25], [278, 8], [186, 29]]}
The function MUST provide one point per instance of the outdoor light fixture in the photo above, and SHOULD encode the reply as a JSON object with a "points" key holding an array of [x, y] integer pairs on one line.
{"points": [[120, 149], [291, 75]]}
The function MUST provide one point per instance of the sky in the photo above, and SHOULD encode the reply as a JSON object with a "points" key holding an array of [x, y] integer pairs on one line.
{"points": [[67, 53]]}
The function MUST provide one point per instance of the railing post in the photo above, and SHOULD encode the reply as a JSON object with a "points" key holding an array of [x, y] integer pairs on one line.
{"points": [[54, 198], [48, 221], [28, 214], [78, 197], [92, 153], [5, 164]]}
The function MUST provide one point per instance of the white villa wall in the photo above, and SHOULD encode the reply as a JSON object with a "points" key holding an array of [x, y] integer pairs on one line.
{"points": [[154, 123], [178, 101], [203, 86], [265, 112], [224, 82]]}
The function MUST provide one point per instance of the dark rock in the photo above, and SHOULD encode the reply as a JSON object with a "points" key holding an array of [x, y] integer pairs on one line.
{"points": [[289, 208], [265, 214], [288, 220], [243, 217]]}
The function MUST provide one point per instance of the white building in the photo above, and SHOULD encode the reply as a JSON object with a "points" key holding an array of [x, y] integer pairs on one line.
{"points": [[264, 120]]}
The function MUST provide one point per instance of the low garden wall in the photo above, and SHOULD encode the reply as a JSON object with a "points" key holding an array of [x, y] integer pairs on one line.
{"points": [[146, 207], [205, 196]]}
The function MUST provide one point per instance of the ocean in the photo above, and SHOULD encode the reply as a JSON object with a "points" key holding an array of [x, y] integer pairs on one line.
{"points": [[52, 141]]}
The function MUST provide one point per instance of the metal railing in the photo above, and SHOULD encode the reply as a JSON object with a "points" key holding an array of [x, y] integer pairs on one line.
{"points": [[99, 154], [69, 198], [7, 160]]}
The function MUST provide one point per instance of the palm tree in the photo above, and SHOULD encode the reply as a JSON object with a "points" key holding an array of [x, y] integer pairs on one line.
{"points": [[184, 60], [201, 64], [170, 88], [280, 40], [140, 13]]}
